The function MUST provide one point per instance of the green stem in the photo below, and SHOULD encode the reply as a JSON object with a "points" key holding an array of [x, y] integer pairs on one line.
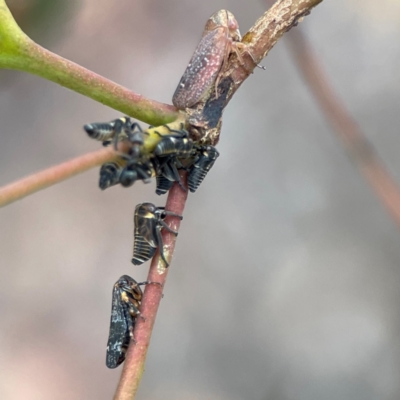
{"points": [[18, 51]]}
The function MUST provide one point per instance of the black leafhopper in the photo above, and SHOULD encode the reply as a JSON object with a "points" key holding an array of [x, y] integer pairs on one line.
{"points": [[149, 220], [126, 299]]}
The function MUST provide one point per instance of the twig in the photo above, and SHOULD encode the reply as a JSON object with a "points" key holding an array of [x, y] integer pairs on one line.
{"points": [[351, 136], [259, 40], [18, 51], [136, 355], [73, 76], [50, 176], [267, 30]]}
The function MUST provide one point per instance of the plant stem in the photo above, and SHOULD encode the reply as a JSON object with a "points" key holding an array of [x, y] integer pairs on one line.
{"points": [[18, 51], [50, 176], [136, 356], [266, 31], [361, 152]]}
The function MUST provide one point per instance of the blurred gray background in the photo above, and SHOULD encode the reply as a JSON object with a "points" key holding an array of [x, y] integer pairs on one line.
{"points": [[285, 281]]}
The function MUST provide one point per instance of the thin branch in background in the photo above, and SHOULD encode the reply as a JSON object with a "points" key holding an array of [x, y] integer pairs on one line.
{"points": [[346, 128], [136, 355]]}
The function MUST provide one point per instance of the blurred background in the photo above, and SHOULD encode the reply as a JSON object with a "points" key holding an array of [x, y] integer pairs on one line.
{"points": [[285, 280]]}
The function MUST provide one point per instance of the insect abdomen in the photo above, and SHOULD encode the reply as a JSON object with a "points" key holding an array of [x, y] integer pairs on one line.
{"points": [[119, 339], [110, 173], [142, 251], [201, 167], [101, 131], [180, 147], [163, 184]]}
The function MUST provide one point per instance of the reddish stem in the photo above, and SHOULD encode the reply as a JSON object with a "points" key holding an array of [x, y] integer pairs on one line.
{"points": [[41, 180], [136, 355], [346, 128]]}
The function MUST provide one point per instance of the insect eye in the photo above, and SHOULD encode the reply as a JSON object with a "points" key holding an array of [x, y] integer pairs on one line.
{"points": [[151, 208], [128, 178], [137, 293], [89, 129], [232, 25]]}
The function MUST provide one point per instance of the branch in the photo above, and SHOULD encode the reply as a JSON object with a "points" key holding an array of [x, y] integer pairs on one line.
{"points": [[206, 116], [18, 51], [264, 34], [42, 180], [50, 176], [268, 29], [136, 356], [346, 128]]}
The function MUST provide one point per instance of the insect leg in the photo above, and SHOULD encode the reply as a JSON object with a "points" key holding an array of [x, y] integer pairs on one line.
{"points": [[177, 177], [182, 133], [241, 46], [119, 124], [164, 225], [151, 283], [158, 133], [160, 243], [172, 214], [143, 173], [135, 125]]}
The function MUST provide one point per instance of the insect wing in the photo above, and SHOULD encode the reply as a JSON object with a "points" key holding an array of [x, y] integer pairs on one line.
{"points": [[145, 226], [201, 167], [163, 184], [145, 241], [100, 130], [142, 250], [119, 337], [125, 302], [202, 69]]}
